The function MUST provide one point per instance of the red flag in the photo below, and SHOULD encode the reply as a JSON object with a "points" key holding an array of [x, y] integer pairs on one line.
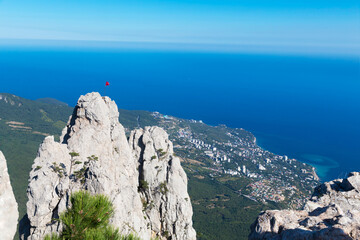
{"points": [[107, 84]]}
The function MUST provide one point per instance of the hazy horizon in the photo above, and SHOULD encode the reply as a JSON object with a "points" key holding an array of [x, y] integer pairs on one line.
{"points": [[321, 27]]}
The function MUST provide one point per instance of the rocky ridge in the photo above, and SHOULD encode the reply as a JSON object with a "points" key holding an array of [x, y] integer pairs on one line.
{"points": [[148, 187], [163, 183], [8, 206], [333, 212]]}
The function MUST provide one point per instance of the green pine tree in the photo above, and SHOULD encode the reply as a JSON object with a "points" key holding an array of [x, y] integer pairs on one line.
{"points": [[88, 219]]}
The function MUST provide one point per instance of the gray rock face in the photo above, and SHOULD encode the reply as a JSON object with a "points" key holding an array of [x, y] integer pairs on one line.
{"points": [[163, 184], [8, 206], [105, 164], [332, 213]]}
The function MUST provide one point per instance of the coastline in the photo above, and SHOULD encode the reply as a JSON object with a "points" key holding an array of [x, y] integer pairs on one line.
{"points": [[320, 172], [259, 98]]}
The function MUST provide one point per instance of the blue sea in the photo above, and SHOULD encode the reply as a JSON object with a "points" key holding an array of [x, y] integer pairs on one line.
{"points": [[306, 107]]}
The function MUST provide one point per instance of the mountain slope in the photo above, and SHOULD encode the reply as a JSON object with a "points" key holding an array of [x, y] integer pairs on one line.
{"points": [[51, 101], [231, 179], [23, 125]]}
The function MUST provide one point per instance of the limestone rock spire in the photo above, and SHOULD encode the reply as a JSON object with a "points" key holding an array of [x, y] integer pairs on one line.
{"points": [[165, 198], [8, 206], [94, 154]]}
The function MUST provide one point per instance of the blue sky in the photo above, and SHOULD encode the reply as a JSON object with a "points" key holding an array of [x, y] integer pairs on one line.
{"points": [[283, 25]]}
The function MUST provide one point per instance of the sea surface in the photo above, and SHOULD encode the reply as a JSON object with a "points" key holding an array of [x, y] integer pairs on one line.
{"points": [[306, 107]]}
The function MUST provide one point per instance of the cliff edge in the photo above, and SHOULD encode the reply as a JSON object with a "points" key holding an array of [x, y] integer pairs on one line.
{"points": [[332, 213]]}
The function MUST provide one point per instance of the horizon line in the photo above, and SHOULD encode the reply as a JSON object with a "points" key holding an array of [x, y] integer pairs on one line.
{"points": [[245, 47]]}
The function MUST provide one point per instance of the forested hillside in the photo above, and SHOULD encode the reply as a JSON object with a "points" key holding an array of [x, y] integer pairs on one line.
{"points": [[231, 179]]}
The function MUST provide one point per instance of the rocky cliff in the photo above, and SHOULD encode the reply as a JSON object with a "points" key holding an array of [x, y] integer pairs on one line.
{"points": [[333, 212], [8, 207], [149, 193], [163, 184]]}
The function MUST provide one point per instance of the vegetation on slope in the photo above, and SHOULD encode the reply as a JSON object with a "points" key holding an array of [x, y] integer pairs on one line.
{"points": [[220, 210], [23, 125]]}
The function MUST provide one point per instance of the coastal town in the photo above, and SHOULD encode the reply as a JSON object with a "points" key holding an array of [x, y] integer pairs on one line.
{"points": [[223, 151]]}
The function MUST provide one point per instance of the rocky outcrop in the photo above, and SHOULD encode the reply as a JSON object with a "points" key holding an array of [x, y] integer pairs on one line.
{"points": [[8, 206], [163, 184], [94, 154], [333, 212]]}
